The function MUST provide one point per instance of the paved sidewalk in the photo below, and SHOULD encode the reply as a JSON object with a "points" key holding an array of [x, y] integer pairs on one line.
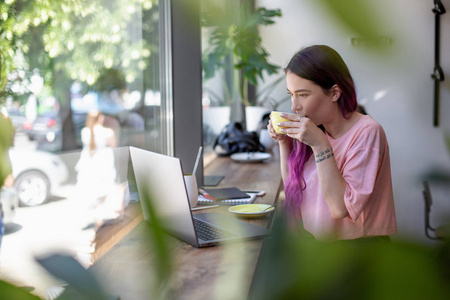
{"points": [[57, 226]]}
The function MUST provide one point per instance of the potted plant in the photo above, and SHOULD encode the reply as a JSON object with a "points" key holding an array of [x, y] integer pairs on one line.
{"points": [[235, 49], [264, 103]]}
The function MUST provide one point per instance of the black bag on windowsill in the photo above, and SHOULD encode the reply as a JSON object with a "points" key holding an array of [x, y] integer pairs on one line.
{"points": [[233, 139]]}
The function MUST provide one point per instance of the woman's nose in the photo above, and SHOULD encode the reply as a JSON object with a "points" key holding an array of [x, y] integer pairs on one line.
{"points": [[295, 108]]}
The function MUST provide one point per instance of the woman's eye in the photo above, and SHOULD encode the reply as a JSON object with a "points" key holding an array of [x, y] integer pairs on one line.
{"points": [[297, 95]]}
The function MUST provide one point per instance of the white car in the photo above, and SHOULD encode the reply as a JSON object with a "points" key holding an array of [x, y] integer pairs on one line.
{"points": [[37, 175]]}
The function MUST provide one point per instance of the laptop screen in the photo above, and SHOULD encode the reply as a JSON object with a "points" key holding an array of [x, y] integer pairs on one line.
{"points": [[161, 187]]}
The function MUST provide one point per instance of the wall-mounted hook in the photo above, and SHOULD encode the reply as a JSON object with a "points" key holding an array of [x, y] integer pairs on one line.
{"points": [[438, 7]]}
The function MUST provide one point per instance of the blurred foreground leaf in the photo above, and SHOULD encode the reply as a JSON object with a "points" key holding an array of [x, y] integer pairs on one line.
{"points": [[9, 291], [298, 267], [158, 241], [83, 284], [447, 140], [6, 134], [355, 15], [363, 21]]}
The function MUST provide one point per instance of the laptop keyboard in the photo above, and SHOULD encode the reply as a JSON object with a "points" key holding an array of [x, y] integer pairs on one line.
{"points": [[208, 232]]}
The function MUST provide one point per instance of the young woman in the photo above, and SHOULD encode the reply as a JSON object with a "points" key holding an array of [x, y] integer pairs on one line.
{"points": [[96, 178], [96, 167], [334, 161]]}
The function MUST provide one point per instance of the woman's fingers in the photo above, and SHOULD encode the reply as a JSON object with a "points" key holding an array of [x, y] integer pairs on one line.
{"points": [[295, 120], [273, 134], [290, 124], [293, 117], [270, 130], [297, 129]]}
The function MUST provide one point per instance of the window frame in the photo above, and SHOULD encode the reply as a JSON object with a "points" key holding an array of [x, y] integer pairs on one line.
{"points": [[181, 83]]}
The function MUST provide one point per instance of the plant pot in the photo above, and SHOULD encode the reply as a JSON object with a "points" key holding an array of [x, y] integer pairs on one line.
{"points": [[253, 115], [216, 117]]}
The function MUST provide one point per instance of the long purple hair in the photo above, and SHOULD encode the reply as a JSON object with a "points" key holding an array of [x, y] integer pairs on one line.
{"points": [[325, 67]]}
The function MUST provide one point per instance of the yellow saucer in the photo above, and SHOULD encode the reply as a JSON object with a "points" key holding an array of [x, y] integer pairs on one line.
{"points": [[251, 210]]}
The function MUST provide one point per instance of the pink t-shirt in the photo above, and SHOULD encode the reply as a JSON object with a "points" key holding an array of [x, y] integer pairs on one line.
{"points": [[362, 156]]}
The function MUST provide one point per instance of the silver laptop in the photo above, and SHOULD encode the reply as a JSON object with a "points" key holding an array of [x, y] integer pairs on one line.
{"points": [[162, 193]]}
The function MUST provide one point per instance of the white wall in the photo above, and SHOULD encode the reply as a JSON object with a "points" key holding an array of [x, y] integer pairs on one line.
{"points": [[396, 89]]}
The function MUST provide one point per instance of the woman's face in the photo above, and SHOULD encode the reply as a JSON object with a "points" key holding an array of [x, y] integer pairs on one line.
{"points": [[310, 100]]}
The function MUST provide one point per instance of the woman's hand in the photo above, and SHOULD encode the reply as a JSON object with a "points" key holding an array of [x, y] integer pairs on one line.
{"points": [[284, 142], [303, 129], [276, 136]]}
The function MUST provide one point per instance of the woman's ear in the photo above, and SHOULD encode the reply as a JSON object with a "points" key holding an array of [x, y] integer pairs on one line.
{"points": [[335, 93]]}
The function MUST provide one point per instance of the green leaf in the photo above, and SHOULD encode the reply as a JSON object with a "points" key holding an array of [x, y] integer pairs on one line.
{"points": [[79, 279], [447, 140], [235, 32], [9, 291], [355, 15]]}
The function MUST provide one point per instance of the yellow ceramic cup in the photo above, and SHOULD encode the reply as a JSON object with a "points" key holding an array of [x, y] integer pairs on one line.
{"points": [[275, 117]]}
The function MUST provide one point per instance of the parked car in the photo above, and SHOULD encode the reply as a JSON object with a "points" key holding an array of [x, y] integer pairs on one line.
{"points": [[37, 175], [47, 122], [47, 130], [9, 203]]}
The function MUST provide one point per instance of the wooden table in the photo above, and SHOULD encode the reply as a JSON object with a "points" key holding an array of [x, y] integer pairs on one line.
{"points": [[130, 268]]}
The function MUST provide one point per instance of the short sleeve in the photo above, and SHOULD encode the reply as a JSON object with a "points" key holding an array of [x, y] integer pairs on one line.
{"points": [[360, 173], [85, 136]]}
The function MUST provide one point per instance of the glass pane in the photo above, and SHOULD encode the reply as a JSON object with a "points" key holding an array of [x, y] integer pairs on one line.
{"points": [[85, 84], [217, 88]]}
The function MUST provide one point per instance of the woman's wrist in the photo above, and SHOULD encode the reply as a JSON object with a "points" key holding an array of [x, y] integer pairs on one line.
{"points": [[285, 143], [322, 152], [321, 156]]}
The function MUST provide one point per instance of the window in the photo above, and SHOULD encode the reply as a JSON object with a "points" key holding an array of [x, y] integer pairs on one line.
{"points": [[83, 56], [135, 61]]}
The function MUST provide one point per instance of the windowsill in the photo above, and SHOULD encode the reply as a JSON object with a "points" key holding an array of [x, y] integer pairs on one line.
{"points": [[208, 156], [108, 235]]}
